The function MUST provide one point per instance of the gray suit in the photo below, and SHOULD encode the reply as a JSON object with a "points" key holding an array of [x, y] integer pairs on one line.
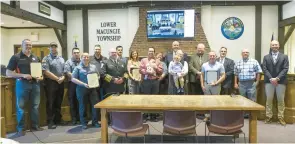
{"points": [[279, 70], [194, 67], [227, 84]]}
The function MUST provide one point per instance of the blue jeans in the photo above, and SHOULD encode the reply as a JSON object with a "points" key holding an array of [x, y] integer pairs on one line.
{"points": [[248, 89], [27, 91], [84, 97]]}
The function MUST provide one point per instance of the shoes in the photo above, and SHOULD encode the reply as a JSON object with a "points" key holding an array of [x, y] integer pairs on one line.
{"points": [[282, 121], [97, 125], [178, 90], [51, 125], [20, 133], [84, 127], [267, 120], [62, 122], [154, 119], [37, 129]]}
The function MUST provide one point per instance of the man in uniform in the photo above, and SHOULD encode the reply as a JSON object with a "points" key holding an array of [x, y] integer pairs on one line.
{"points": [[53, 67], [119, 50], [69, 67], [114, 72], [27, 87], [98, 60]]}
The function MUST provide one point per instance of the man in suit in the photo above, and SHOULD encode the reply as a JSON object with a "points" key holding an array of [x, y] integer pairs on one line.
{"points": [[275, 67], [195, 64], [168, 58], [228, 65]]}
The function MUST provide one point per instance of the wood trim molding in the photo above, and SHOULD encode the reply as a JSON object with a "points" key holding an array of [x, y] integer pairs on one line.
{"points": [[57, 4], [289, 33], [85, 30], [258, 27], [22, 14], [287, 21], [26, 27]]}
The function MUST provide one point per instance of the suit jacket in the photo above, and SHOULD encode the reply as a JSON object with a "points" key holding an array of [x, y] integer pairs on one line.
{"points": [[195, 66], [275, 70], [228, 65], [169, 57], [112, 70]]}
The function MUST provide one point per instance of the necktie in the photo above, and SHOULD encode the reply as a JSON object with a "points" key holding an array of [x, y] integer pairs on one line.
{"points": [[275, 58], [200, 58]]}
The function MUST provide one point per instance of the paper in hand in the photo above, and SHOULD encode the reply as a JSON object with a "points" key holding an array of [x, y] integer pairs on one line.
{"points": [[36, 70], [93, 80], [211, 76]]}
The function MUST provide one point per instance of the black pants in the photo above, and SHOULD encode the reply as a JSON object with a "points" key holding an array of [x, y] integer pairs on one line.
{"points": [[225, 91], [150, 87], [54, 93], [195, 88], [74, 104]]}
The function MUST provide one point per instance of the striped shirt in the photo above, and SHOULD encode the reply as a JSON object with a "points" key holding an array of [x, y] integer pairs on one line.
{"points": [[247, 69]]}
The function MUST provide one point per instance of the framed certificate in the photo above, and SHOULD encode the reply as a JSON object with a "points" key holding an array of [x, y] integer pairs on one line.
{"points": [[135, 73], [93, 80], [36, 70], [211, 76]]}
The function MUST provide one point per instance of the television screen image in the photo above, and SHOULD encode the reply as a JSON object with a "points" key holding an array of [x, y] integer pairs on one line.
{"points": [[170, 24]]}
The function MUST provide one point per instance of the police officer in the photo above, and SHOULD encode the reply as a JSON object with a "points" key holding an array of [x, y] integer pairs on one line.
{"points": [[84, 93], [27, 87], [53, 67], [114, 73], [69, 67]]}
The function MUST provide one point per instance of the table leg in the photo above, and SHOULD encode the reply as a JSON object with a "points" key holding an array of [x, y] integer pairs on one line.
{"points": [[104, 126], [253, 127]]}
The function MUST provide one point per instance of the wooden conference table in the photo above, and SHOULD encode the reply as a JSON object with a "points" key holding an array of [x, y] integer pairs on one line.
{"points": [[176, 102]]}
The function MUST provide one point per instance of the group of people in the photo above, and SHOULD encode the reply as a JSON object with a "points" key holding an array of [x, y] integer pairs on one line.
{"points": [[174, 73]]}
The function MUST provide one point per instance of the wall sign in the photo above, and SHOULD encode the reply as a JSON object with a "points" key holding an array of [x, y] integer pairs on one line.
{"points": [[44, 9], [232, 28], [109, 31]]}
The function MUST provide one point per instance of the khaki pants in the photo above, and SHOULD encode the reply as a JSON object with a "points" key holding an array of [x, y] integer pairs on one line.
{"points": [[270, 89]]}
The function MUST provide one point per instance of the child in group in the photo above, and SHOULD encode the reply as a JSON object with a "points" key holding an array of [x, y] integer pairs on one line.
{"points": [[149, 68], [176, 70]]}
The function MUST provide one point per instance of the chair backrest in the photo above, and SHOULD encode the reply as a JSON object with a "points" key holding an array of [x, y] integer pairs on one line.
{"points": [[227, 118], [126, 121], [180, 119]]}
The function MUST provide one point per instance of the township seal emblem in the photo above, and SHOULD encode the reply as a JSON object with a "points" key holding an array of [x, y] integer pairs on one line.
{"points": [[232, 28]]}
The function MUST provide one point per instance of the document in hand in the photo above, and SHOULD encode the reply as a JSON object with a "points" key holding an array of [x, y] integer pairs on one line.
{"points": [[36, 70], [93, 80], [212, 76]]}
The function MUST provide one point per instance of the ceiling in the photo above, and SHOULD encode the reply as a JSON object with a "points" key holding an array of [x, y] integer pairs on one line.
{"points": [[10, 21], [95, 2]]}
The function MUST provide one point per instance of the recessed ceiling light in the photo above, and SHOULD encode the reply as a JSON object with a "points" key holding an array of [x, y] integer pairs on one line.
{"points": [[2, 23]]}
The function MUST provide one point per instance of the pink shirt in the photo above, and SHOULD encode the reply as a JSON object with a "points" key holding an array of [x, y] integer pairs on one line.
{"points": [[158, 69]]}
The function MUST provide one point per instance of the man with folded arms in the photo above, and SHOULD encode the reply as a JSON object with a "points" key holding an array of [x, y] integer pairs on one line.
{"points": [[275, 67]]}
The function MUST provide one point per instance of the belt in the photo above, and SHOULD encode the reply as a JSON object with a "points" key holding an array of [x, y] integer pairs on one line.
{"points": [[31, 80]]}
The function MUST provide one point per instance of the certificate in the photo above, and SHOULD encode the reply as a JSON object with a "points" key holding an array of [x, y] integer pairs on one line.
{"points": [[93, 80], [36, 70], [211, 76], [135, 73]]}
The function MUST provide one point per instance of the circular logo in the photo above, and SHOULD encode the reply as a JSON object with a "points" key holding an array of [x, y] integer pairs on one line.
{"points": [[232, 28]]}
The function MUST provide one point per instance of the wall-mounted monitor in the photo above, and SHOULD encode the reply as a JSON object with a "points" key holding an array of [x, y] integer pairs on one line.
{"points": [[170, 24]]}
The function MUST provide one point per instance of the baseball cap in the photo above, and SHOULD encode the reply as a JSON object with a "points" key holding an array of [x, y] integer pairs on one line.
{"points": [[53, 44]]}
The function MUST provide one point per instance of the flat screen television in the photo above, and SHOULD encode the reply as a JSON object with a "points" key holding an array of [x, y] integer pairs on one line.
{"points": [[170, 24]]}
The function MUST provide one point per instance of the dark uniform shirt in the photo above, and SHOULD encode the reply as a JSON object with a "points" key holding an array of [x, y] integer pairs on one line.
{"points": [[98, 62], [70, 65], [21, 63], [112, 70], [54, 64], [81, 71]]}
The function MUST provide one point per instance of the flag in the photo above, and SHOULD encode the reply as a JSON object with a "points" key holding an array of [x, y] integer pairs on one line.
{"points": [[271, 41], [76, 45]]}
